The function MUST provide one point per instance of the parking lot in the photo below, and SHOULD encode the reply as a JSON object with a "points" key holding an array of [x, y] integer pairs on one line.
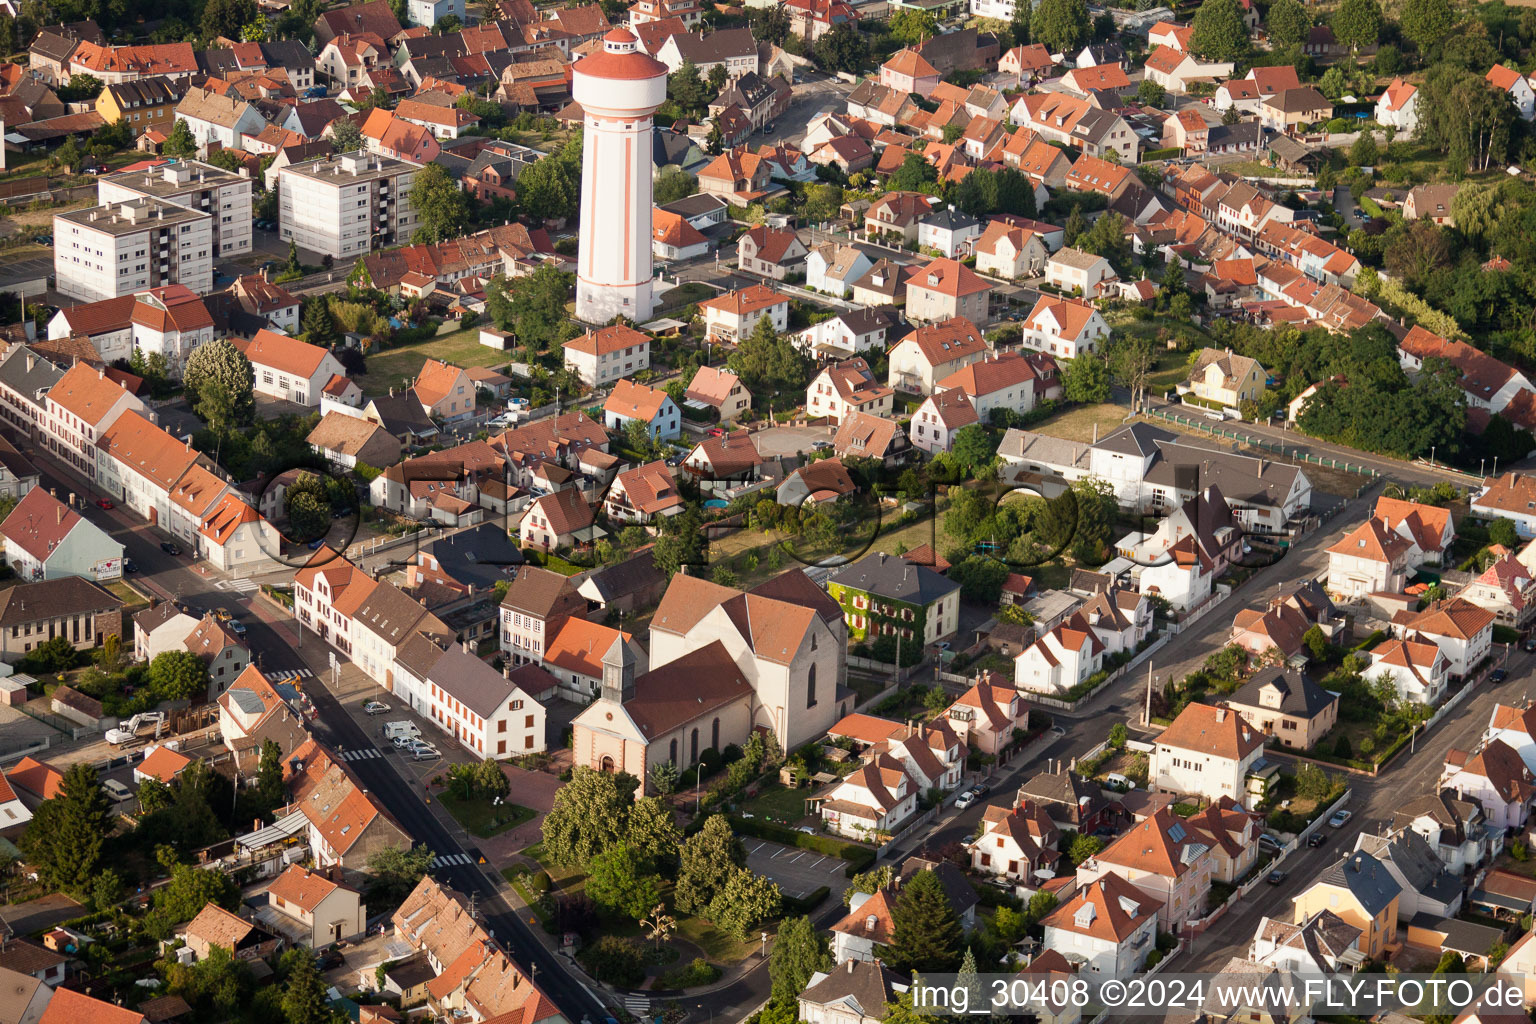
{"points": [[797, 872], [778, 441]]}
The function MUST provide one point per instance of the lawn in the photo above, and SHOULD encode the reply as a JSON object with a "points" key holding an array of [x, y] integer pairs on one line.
{"points": [[480, 818], [133, 601], [733, 549], [778, 804], [1084, 423], [398, 366]]}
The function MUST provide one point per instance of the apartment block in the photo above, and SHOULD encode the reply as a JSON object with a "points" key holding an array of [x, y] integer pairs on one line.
{"points": [[223, 195], [345, 205], [121, 248]]}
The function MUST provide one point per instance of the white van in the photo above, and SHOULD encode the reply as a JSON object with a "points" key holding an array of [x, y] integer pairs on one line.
{"points": [[116, 791], [1116, 779], [407, 730]]}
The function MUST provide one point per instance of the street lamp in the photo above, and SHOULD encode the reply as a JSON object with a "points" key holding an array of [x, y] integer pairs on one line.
{"points": [[765, 944]]}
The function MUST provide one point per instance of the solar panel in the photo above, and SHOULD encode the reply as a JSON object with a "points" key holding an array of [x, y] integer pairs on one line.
{"points": [[1177, 833]]}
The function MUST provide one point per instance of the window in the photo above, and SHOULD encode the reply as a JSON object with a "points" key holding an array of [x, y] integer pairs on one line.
{"points": [[810, 687], [694, 746]]}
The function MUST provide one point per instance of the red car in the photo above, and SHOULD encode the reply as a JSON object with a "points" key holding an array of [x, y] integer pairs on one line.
{"points": [[104, 503], [717, 432]]}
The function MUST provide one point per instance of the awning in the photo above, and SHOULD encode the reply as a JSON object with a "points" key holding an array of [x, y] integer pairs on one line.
{"points": [[286, 827]]}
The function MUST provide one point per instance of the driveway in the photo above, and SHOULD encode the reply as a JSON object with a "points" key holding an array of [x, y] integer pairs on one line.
{"points": [[779, 441], [797, 872]]}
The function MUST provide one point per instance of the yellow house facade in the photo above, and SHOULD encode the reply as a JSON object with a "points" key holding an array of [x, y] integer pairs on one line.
{"points": [[1220, 376], [1360, 890], [145, 104]]}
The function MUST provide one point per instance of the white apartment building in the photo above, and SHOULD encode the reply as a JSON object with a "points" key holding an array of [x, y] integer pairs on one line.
{"points": [[489, 713], [78, 409], [121, 248], [223, 195], [344, 205], [604, 354]]}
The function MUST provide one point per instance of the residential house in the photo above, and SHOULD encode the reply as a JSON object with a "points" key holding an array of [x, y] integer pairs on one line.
{"points": [[1398, 106], [1322, 944], [933, 352], [1226, 379], [1176, 70], [1510, 496], [630, 402], [733, 316], [847, 387], [816, 482], [874, 801], [1363, 893], [1432, 202], [1288, 110], [884, 596], [721, 390], [1165, 859], [1517, 86], [1060, 659], [558, 520], [1417, 668], [1496, 777], [857, 992], [908, 72], [832, 268], [218, 120], [1208, 751], [871, 437], [446, 392], [1286, 705], [895, 216], [314, 908], [772, 252], [1078, 273], [1015, 843], [952, 232], [987, 715], [722, 461], [1110, 923], [604, 354], [1462, 631], [346, 441], [79, 410], [290, 369], [46, 539], [641, 494], [1005, 250], [1370, 559], [1063, 328], [537, 604], [1507, 589], [939, 418]]}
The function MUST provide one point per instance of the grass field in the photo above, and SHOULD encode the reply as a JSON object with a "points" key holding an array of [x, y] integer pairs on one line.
{"points": [[398, 366], [1079, 422], [479, 817]]}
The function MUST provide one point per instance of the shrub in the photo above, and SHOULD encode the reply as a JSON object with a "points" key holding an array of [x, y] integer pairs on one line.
{"points": [[614, 961]]}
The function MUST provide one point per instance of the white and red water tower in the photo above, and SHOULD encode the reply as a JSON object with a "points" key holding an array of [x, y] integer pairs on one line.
{"points": [[619, 89]]}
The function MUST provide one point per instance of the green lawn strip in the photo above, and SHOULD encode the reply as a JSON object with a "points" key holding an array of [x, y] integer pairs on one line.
{"points": [[480, 818]]}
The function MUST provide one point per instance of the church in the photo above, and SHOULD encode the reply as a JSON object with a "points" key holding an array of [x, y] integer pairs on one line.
{"points": [[723, 663]]}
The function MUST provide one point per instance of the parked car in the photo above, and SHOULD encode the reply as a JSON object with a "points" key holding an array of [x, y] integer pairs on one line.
{"points": [[169, 548], [222, 614], [716, 431], [129, 565], [425, 753], [104, 503], [1528, 645], [237, 627], [1317, 838], [375, 707], [1275, 877], [981, 789], [116, 791], [1340, 819], [1498, 675], [329, 959], [965, 799]]}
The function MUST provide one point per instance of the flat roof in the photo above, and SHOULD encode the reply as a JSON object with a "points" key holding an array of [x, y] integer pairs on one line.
{"points": [[152, 181], [136, 215], [350, 168]]}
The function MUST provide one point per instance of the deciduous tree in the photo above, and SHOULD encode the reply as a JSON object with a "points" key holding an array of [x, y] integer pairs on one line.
{"points": [[911, 26], [178, 675], [221, 384], [743, 901], [1426, 22], [799, 951], [620, 882], [346, 136], [441, 206], [705, 860], [180, 142], [1062, 25], [1357, 23], [1288, 23], [590, 815], [1219, 31]]}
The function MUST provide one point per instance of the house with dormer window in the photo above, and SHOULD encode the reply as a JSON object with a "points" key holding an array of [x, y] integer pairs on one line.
{"points": [[1015, 843], [1165, 859], [1109, 927]]}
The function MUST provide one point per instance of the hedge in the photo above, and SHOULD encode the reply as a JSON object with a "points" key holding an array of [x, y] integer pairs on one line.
{"points": [[1162, 154], [805, 904], [859, 857], [1506, 635], [1376, 637]]}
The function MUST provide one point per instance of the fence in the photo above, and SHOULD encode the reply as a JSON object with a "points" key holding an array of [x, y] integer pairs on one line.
{"points": [[1256, 442], [900, 675], [1222, 593], [1072, 705], [888, 848]]}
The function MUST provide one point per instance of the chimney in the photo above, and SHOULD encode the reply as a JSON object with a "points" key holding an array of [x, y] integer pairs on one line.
{"points": [[1221, 713], [31, 361], [850, 964], [61, 515]]}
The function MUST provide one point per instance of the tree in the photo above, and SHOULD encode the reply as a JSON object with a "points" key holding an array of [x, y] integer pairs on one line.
{"points": [[1019, 24], [180, 142], [681, 543], [1149, 93], [842, 49], [190, 889], [532, 307], [221, 384], [770, 24], [292, 265], [769, 362], [981, 579], [686, 88], [106, 890], [304, 999], [346, 136], [178, 675], [441, 206], [1425, 22], [914, 175], [1097, 513], [1084, 847], [154, 795], [1464, 119], [799, 951], [1075, 226], [319, 326], [663, 776], [619, 881], [743, 901], [1131, 359], [590, 815], [1086, 379], [1288, 23], [308, 517], [1357, 23], [550, 189], [823, 202], [925, 930], [674, 186], [1219, 31], [911, 26], [1363, 152], [396, 870], [973, 448], [1062, 25], [258, 31], [1107, 238], [705, 861], [269, 791], [227, 17], [81, 87], [64, 840], [1502, 531]]}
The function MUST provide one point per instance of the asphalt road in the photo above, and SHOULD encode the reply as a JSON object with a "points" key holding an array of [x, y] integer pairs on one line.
{"points": [[176, 577]]}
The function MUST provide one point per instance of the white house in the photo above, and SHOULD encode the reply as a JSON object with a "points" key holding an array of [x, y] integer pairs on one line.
{"points": [[933, 352], [1462, 631], [832, 268], [1207, 751], [844, 388], [321, 909], [629, 402], [735, 315], [1109, 925], [46, 539], [1063, 327], [604, 354], [1078, 273], [290, 369], [875, 800], [1497, 778], [1511, 496], [939, 418], [1015, 842], [1005, 382], [1514, 726], [1418, 669], [1061, 659], [1370, 559], [1398, 106], [1007, 250], [1511, 81]]}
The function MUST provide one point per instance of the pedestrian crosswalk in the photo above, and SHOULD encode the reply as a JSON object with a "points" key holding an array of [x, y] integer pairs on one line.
{"points": [[637, 1006], [238, 586], [451, 860], [286, 674], [360, 755]]}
